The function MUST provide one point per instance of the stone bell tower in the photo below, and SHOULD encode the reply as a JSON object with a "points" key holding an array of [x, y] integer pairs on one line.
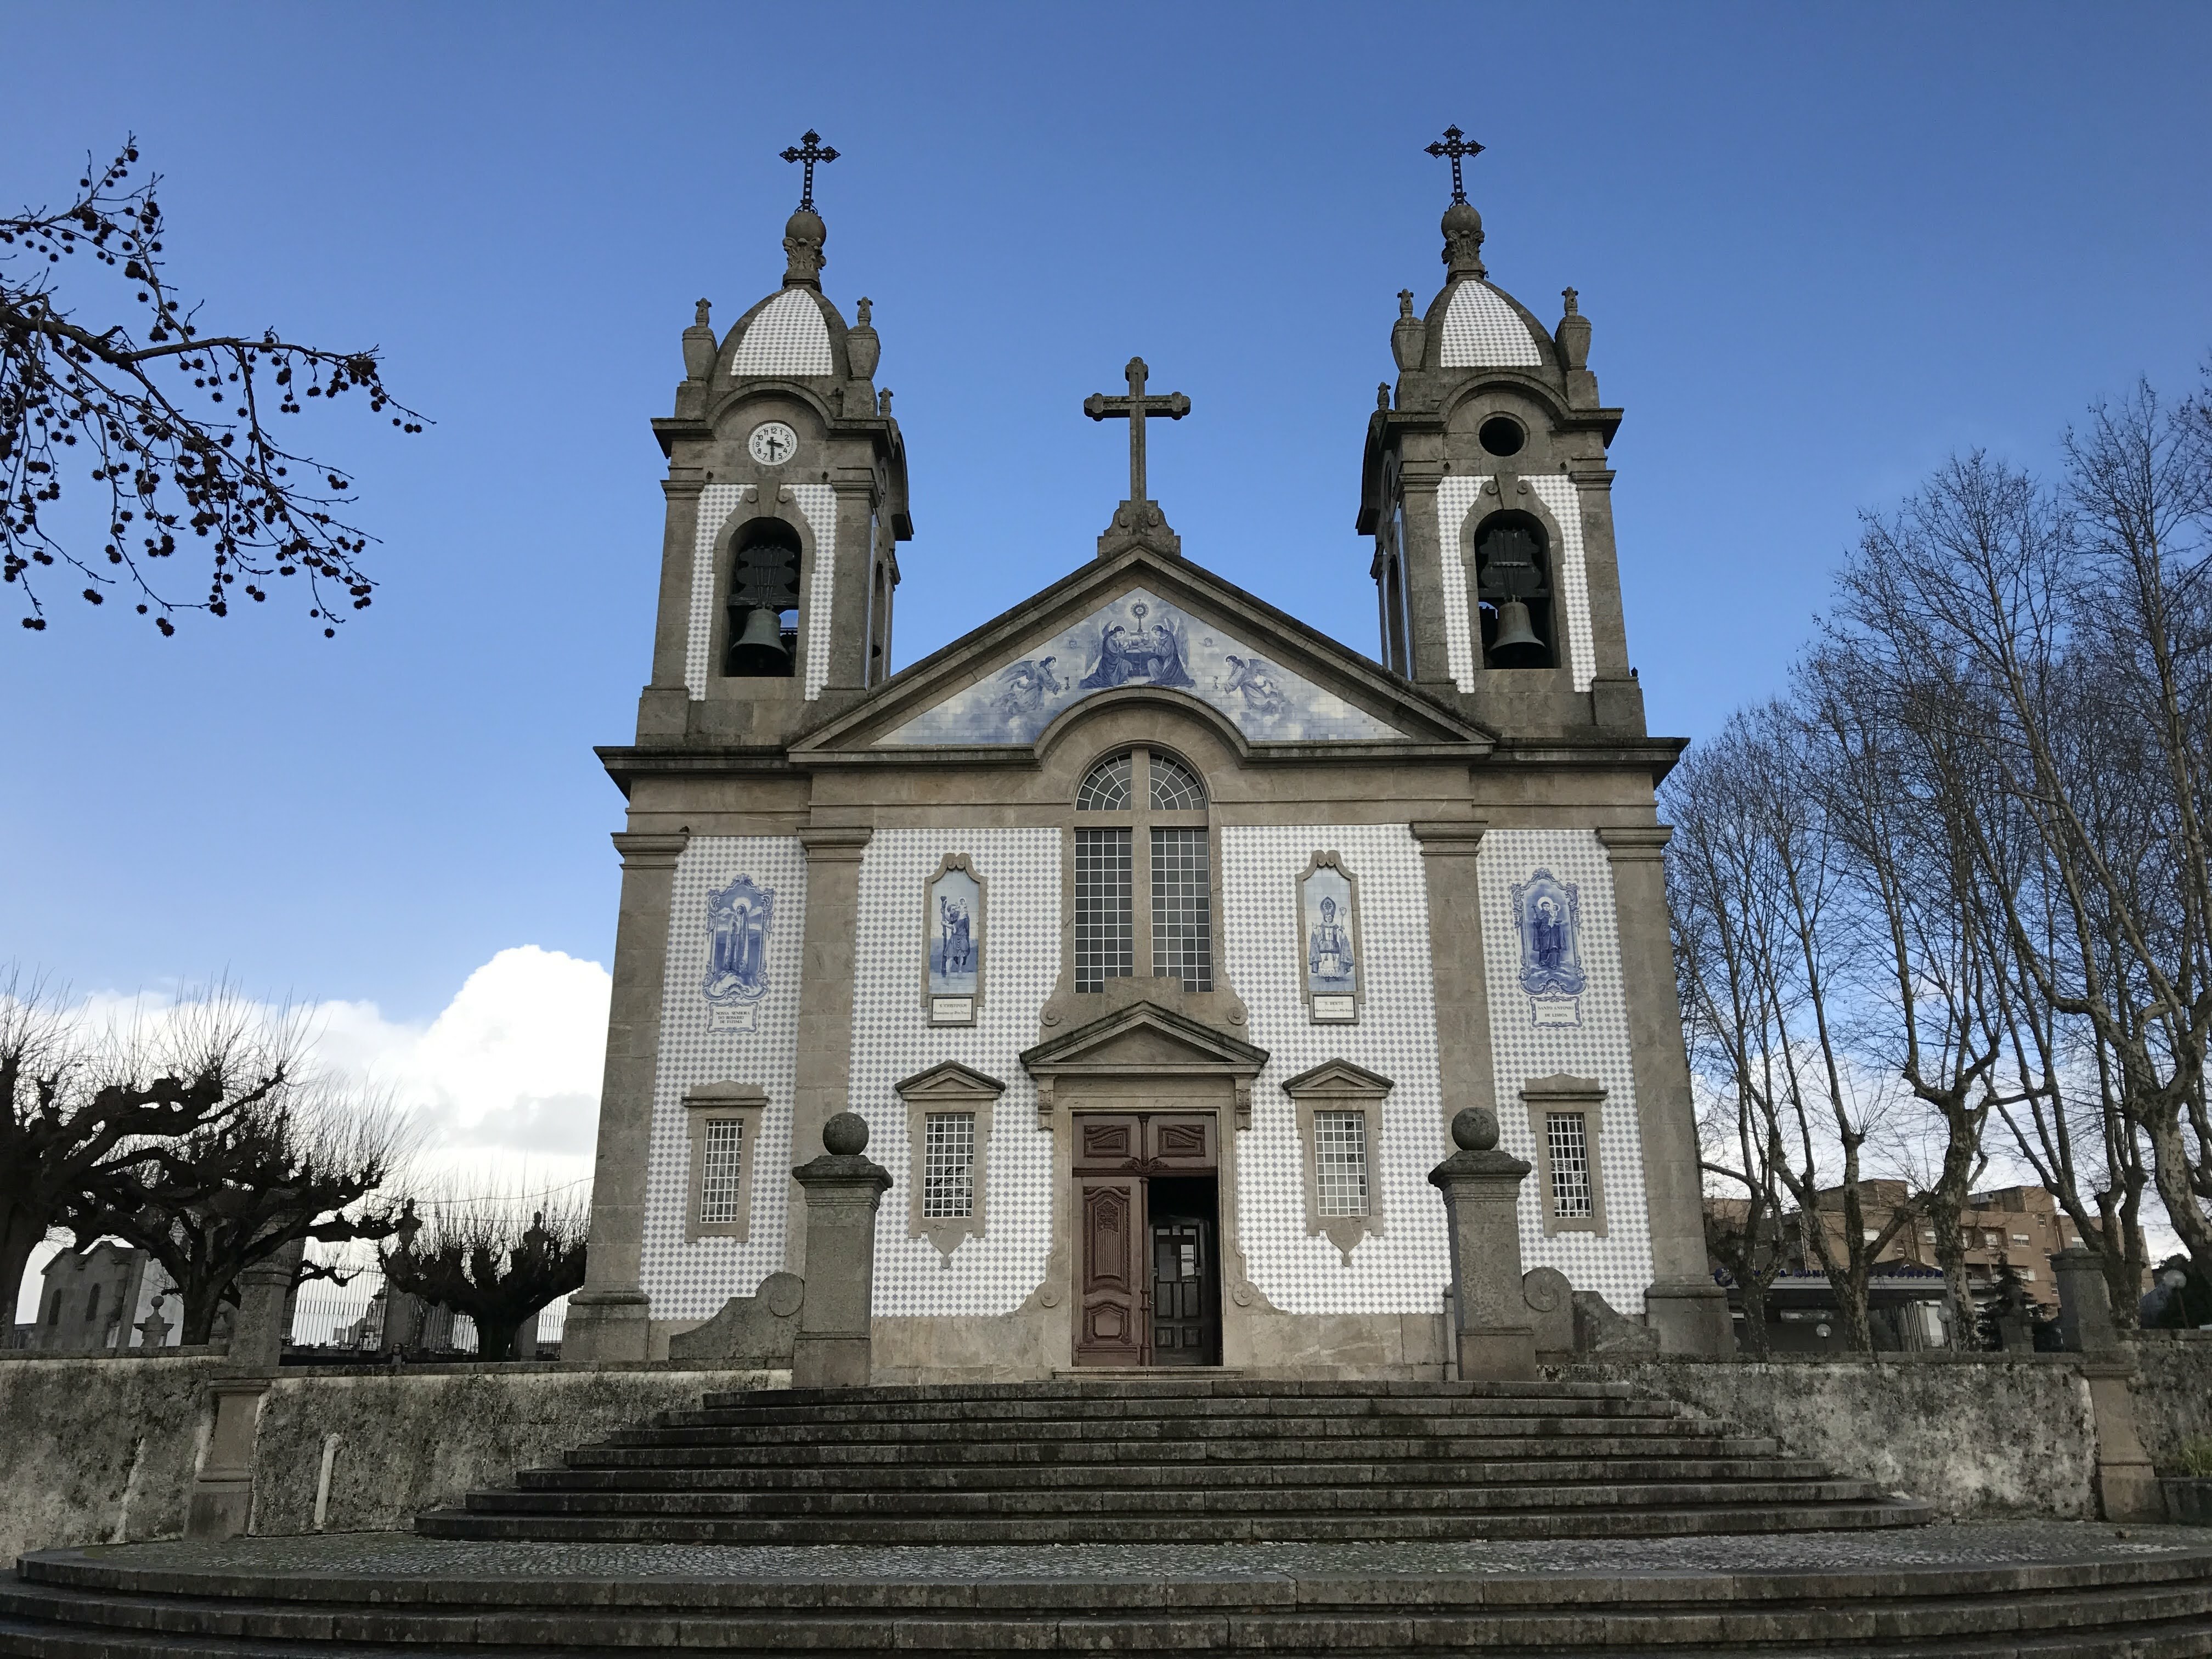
{"points": [[1486, 489], [786, 498]]}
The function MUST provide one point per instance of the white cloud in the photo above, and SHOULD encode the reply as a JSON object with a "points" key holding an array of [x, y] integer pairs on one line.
{"points": [[504, 1083]]}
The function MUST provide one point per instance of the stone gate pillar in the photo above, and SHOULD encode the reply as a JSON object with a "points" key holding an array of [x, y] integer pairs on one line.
{"points": [[1481, 1187], [843, 1189]]}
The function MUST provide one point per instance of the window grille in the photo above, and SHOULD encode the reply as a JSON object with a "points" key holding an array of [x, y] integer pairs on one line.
{"points": [[948, 1168], [1568, 1136], [1175, 787], [1340, 1162], [721, 1161], [1107, 788], [1182, 919], [1105, 933]]}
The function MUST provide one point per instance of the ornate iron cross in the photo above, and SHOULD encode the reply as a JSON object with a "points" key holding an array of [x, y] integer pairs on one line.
{"points": [[813, 152], [1453, 143], [1133, 409]]}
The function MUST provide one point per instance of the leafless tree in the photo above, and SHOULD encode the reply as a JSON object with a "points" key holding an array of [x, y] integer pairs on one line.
{"points": [[79, 1101], [294, 1165], [500, 1263], [170, 423]]}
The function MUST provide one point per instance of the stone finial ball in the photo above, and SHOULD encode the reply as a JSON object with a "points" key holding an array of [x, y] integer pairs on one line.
{"points": [[1475, 1129], [847, 1134]]}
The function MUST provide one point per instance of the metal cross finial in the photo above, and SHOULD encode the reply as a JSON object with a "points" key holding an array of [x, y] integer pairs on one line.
{"points": [[1133, 409], [813, 152], [1455, 144]]}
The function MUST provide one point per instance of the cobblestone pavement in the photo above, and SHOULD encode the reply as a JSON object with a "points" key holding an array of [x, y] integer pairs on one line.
{"points": [[1964, 1544]]}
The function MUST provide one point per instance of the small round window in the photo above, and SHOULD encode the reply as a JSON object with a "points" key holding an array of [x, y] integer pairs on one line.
{"points": [[1500, 436]]}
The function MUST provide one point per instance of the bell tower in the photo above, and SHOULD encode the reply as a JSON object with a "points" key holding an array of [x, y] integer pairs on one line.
{"points": [[1486, 489], [787, 495]]}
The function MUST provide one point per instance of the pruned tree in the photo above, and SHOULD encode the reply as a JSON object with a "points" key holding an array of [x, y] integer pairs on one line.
{"points": [[171, 424], [489, 1262], [79, 1103], [291, 1167]]}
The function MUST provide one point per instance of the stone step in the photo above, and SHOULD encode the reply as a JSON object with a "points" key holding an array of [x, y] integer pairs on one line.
{"points": [[1471, 1500], [987, 1477], [1167, 1430], [98, 1605], [1175, 1409], [1434, 1449], [1165, 1385], [1605, 1522]]}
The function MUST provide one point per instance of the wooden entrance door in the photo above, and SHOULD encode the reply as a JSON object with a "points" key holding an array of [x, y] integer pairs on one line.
{"points": [[1110, 1305], [1148, 1283]]}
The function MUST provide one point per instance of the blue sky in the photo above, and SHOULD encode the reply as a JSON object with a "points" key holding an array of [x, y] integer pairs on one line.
{"points": [[1820, 247]]}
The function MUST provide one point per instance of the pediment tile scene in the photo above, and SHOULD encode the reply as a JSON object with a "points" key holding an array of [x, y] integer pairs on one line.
{"points": [[1140, 623]]}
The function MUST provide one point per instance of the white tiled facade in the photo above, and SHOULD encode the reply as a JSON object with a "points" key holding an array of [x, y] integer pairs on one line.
{"points": [[716, 503], [1457, 496], [1618, 1264], [818, 502], [788, 337], [892, 1039], [1481, 330], [1402, 1266], [691, 1280]]}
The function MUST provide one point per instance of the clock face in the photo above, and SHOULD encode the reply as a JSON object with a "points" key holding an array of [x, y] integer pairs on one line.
{"points": [[773, 443]]}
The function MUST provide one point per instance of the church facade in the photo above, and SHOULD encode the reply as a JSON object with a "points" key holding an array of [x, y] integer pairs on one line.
{"points": [[1157, 935]]}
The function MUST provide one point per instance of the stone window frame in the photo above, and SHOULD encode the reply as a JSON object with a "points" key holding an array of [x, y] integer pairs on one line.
{"points": [[1584, 1096], [756, 502], [1506, 492], [1332, 861], [704, 1102], [1337, 1085], [948, 1086], [965, 864], [1140, 819]]}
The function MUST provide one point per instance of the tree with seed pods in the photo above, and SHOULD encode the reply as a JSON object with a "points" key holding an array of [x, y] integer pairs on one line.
{"points": [[171, 425]]}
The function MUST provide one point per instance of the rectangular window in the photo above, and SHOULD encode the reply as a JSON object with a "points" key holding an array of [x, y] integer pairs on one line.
{"points": [[1567, 1138], [1183, 909], [1105, 933], [948, 1169], [1340, 1162], [721, 1171]]}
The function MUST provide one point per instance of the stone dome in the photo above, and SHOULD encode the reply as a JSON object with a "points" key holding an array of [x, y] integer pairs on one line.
{"points": [[789, 335], [1482, 329]]}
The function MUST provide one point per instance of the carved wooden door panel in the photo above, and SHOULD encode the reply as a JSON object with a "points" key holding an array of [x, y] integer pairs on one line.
{"points": [[1109, 1308]]}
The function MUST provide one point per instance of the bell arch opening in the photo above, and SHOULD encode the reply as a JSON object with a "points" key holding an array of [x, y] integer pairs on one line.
{"points": [[1513, 593], [764, 602]]}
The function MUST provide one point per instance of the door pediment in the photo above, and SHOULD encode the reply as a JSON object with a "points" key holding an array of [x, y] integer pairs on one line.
{"points": [[1139, 1041]]}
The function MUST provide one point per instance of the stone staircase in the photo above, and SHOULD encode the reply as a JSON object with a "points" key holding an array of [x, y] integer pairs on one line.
{"points": [[1172, 1460]]}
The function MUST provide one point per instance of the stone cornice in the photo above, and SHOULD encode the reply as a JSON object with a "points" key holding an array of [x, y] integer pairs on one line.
{"points": [[1639, 843]]}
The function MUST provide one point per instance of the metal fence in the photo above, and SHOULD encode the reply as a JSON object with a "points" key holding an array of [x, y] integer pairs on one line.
{"points": [[327, 1314]]}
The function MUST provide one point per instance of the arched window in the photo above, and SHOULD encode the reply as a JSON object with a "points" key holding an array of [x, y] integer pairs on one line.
{"points": [[92, 1305], [763, 603], [1513, 585], [1146, 837]]}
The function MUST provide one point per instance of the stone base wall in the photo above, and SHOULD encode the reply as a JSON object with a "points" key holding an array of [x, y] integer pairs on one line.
{"points": [[105, 1450], [1974, 1434]]}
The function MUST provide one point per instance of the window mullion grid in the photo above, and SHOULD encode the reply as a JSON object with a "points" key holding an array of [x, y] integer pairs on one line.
{"points": [[1140, 859]]}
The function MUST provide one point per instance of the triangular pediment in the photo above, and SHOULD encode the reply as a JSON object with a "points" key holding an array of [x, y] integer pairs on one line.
{"points": [[1144, 623], [1144, 1037], [1338, 1077], [948, 1080]]}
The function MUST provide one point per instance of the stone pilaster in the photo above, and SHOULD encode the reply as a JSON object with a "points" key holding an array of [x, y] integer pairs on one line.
{"points": [[1448, 852], [824, 1063], [1481, 1189], [856, 556], [834, 1347], [1429, 565], [607, 1319], [1684, 1305]]}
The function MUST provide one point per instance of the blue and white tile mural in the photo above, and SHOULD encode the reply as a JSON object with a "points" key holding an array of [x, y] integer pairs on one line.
{"points": [[1140, 640], [738, 918], [1548, 914], [956, 911]]}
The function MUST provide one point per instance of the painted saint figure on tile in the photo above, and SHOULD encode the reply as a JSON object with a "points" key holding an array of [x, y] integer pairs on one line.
{"points": [[738, 918], [955, 913], [1547, 914], [1329, 937]]}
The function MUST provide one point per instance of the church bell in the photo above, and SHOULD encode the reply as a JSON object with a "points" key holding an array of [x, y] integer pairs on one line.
{"points": [[1516, 637], [758, 648]]}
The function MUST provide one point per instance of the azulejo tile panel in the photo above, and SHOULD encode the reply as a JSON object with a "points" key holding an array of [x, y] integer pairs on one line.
{"points": [[1531, 1037], [1481, 330], [1405, 1268], [1140, 640], [892, 1038], [716, 503], [788, 337], [704, 1038]]}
